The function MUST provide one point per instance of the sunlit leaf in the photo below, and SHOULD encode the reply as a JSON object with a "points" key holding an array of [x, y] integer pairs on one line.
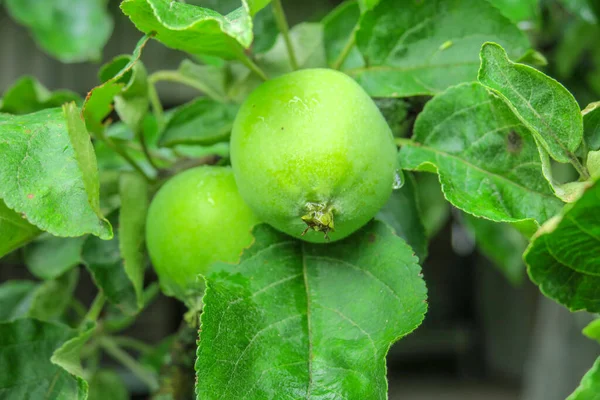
{"points": [[15, 231], [590, 385]]}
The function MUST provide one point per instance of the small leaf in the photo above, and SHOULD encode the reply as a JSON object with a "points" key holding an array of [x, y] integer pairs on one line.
{"points": [[265, 31], [544, 106], [104, 261], [69, 31], [501, 243], [68, 355], [132, 225], [28, 95], [487, 160], [423, 47], [209, 79], [435, 209], [51, 298], [518, 10], [591, 125], [590, 385], [15, 231], [339, 32], [202, 121], [26, 347], [193, 29], [402, 213], [98, 103], [15, 297], [286, 323], [51, 256], [256, 5], [593, 330], [564, 256], [49, 173], [107, 384]]}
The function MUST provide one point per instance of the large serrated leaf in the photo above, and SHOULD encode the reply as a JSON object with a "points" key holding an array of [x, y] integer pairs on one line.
{"points": [[546, 107], [564, 257], [71, 31], [32, 343], [487, 160], [48, 172], [135, 200], [589, 388], [15, 231], [28, 95], [193, 29], [286, 322], [423, 47]]}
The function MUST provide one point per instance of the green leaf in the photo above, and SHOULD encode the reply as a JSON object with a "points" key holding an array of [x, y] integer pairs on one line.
{"points": [[49, 173], [402, 213], [487, 160], [15, 231], [591, 125], [435, 210], [339, 36], [590, 385], [132, 103], [202, 121], [98, 103], [256, 5], [15, 297], [193, 29], [265, 31], [286, 323], [209, 79], [544, 106], [107, 384], [518, 10], [104, 261], [593, 330], [28, 95], [51, 256], [501, 243], [69, 31], [367, 4], [26, 347], [132, 227], [68, 356], [564, 256], [423, 47]]}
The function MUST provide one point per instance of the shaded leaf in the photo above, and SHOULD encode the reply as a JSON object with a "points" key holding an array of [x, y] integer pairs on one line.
{"points": [[544, 106], [209, 79], [49, 173], [51, 256], [69, 31], [421, 48], [34, 376], [487, 160], [590, 385], [592, 331], [202, 121], [15, 297], [105, 263], [132, 227], [435, 210], [193, 29], [98, 103], [265, 31], [15, 231], [402, 213], [339, 33], [501, 243], [107, 384], [28, 95], [518, 10], [564, 256], [591, 125], [285, 322]]}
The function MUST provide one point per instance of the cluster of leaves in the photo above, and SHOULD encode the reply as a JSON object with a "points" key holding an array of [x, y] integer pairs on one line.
{"points": [[292, 319]]}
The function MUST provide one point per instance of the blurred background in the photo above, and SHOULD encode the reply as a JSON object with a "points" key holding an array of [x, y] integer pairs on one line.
{"points": [[485, 336]]}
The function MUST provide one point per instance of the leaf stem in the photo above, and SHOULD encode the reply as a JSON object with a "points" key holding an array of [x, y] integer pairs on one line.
{"points": [[159, 112], [403, 141], [127, 157], [145, 150], [132, 343], [177, 77], [113, 350], [283, 26], [337, 64], [583, 172], [247, 61], [95, 308]]}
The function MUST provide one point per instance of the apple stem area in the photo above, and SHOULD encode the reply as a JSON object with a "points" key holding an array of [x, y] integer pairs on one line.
{"points": [[318, 217]]}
